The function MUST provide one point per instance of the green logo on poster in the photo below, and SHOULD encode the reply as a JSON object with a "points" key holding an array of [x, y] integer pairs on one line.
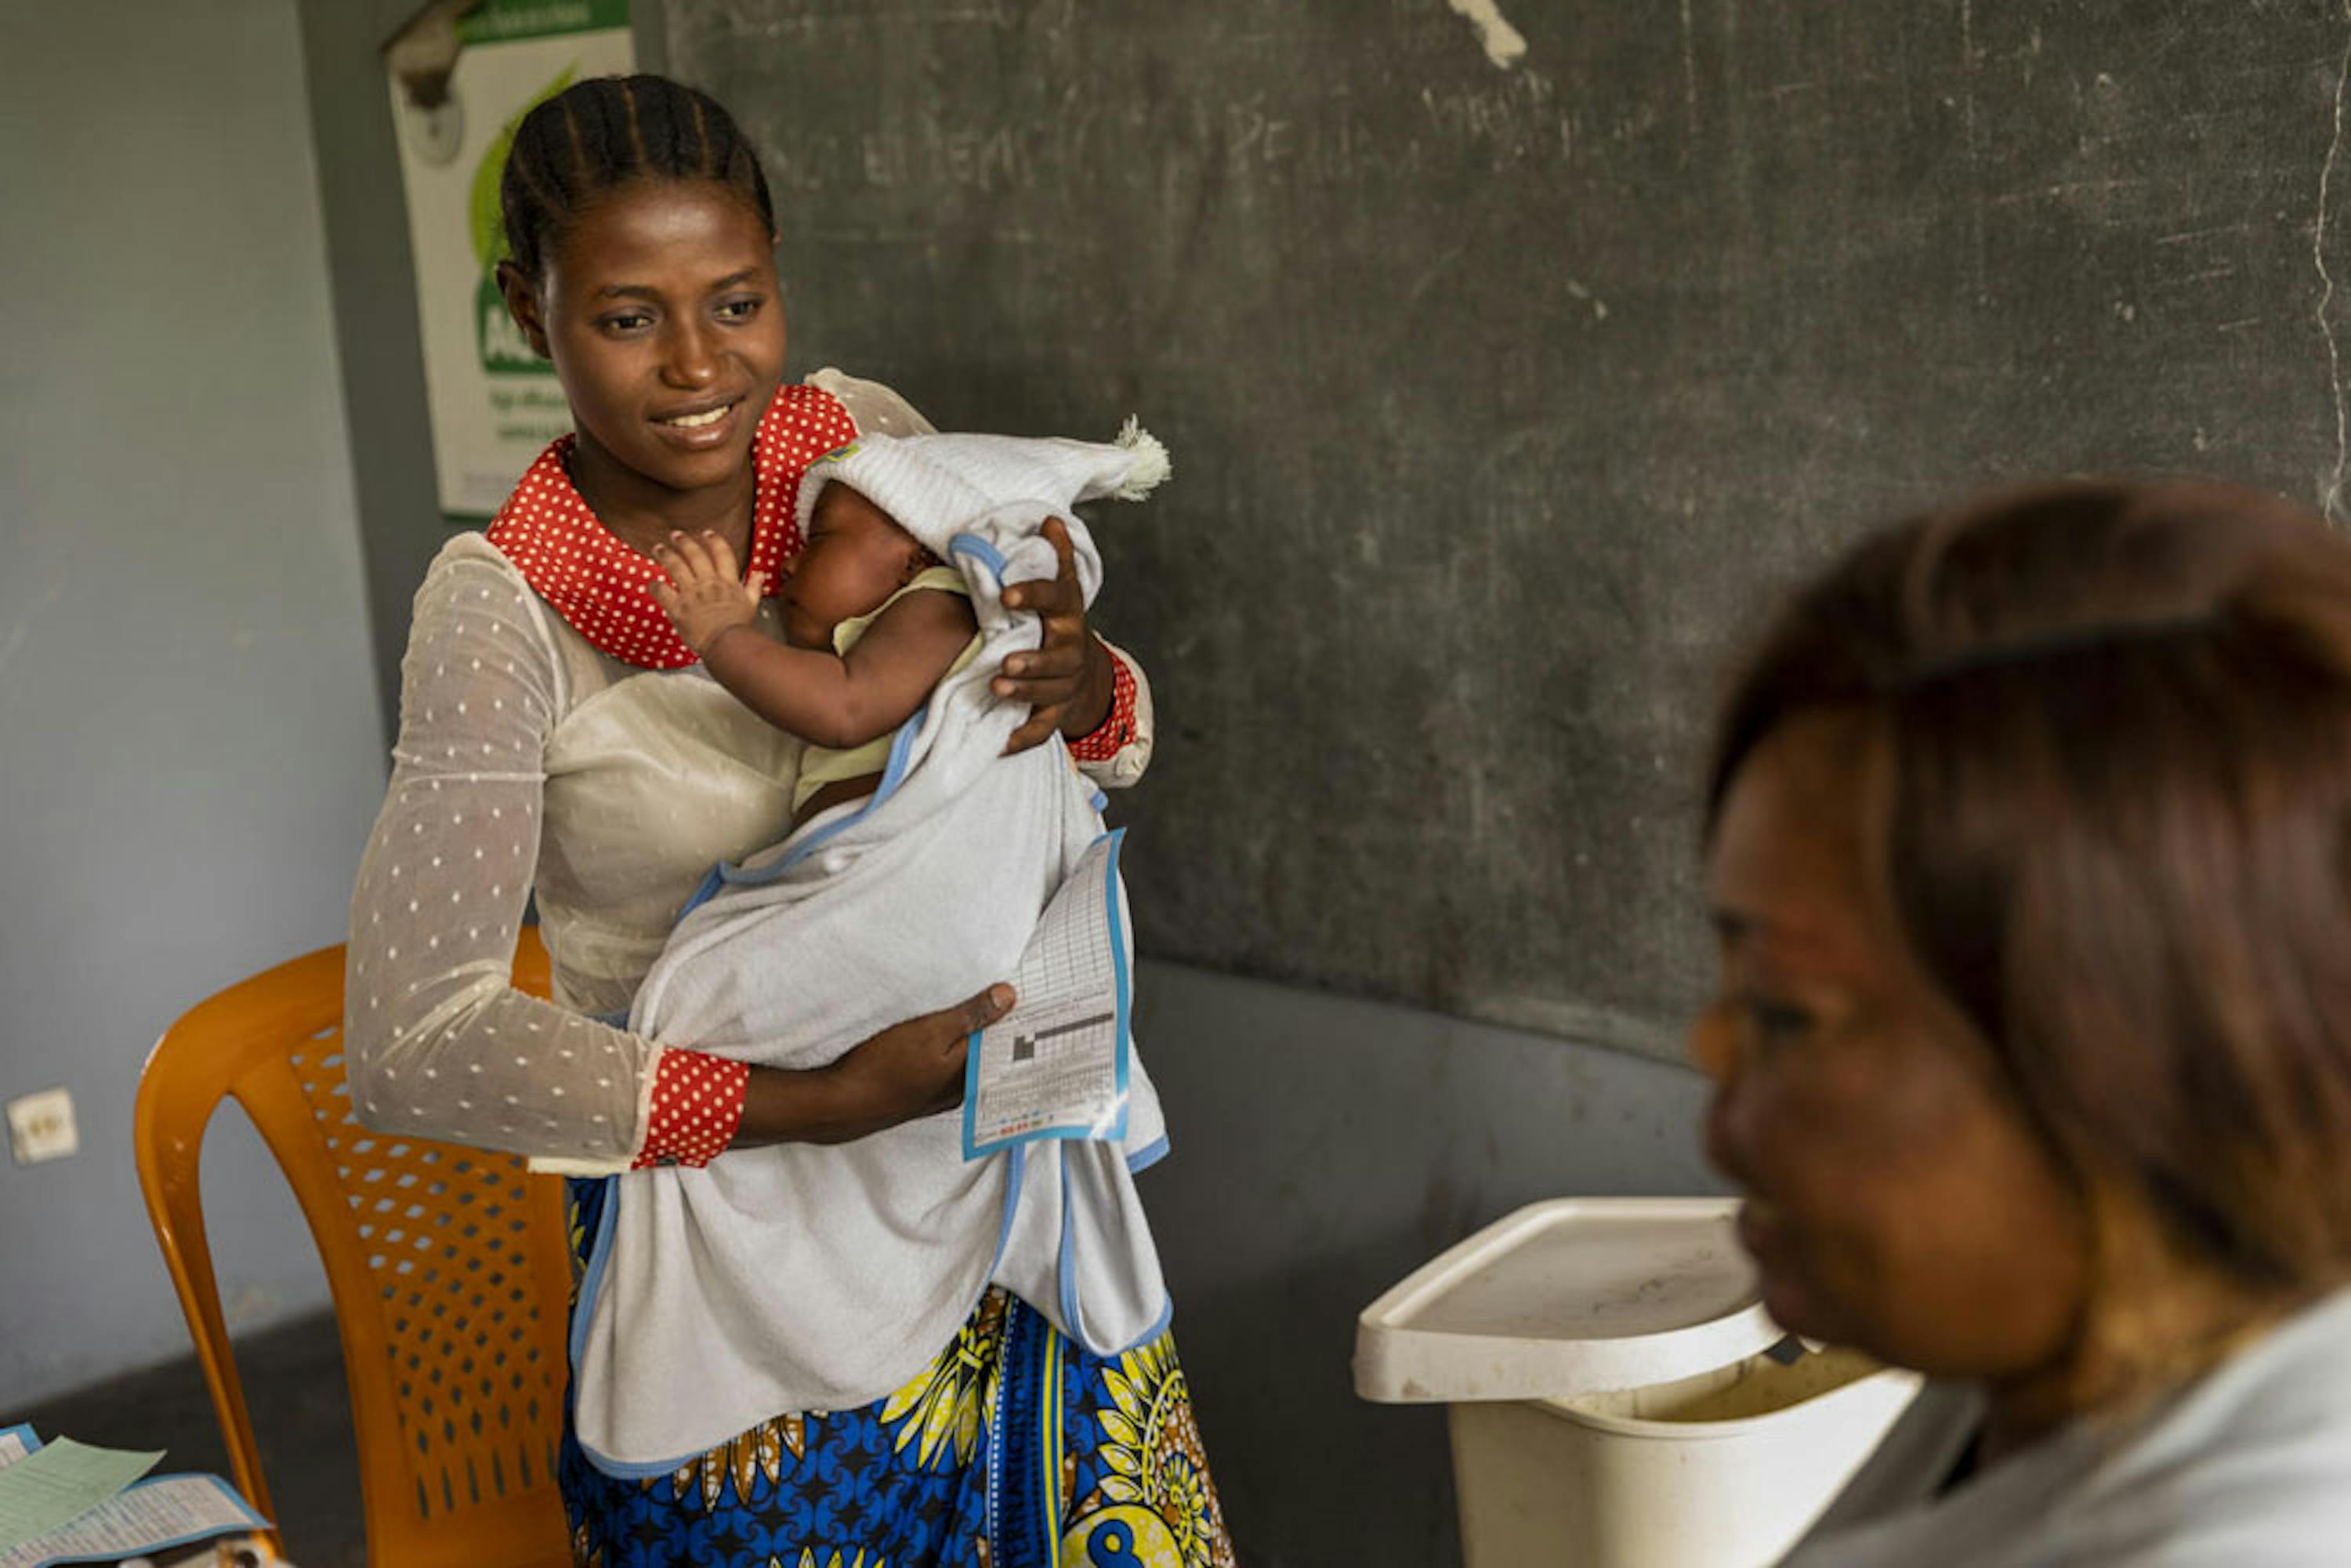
{"points": [[503, 349]]}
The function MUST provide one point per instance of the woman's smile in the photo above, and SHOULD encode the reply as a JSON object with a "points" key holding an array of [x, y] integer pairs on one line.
{"points": [[702, 425]]}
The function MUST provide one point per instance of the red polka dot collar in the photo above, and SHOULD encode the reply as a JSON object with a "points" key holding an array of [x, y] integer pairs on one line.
{"points": [[598, 584]]}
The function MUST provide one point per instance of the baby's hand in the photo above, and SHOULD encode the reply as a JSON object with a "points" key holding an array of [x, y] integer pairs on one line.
{"points": [[702, 595]]}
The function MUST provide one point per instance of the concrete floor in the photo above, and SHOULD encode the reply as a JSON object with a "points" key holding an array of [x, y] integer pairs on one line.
{"points": [[302, 1419]]}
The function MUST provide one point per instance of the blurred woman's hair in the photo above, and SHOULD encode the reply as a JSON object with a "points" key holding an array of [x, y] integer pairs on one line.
{"points": [[2116, 831]]}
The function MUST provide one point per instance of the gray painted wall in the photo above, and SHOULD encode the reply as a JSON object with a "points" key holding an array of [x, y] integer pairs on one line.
{"points": [[192, 757], [1503, 390], [376, 340]]}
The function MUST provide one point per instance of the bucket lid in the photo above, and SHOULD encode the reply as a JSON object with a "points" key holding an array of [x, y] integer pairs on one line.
{"points": [[1578, 1295]]}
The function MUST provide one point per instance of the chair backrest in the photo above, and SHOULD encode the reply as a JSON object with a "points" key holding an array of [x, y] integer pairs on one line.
{"points": [[448, 1267]]}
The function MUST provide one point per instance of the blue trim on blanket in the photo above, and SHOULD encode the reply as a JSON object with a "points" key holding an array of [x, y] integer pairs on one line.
{"points": [[1017, 1174], [1167, 1320], [591, 1274], [584, 1308], [711, 882], [1150, 1154], [1070, 1314], [592, 1282], [971, 1096], [894, 774], [979, 549], [1125, 987], [621, 1469]]}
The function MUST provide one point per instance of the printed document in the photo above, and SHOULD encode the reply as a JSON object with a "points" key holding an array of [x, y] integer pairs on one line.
{"points": [[1056, 1065], [148, 1516]]}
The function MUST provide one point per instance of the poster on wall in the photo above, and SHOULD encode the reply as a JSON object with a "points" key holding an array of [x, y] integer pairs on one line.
{"points": [[495, 405]]}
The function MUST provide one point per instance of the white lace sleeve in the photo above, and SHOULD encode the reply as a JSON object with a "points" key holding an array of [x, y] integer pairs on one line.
{"points": [[877, 410], [437, 1041]]}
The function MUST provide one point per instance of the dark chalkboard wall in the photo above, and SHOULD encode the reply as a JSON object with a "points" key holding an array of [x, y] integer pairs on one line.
{"points": [[1502, 397]]}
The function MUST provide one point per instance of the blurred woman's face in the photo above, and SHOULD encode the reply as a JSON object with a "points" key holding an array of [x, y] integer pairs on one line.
{"points": [[1897, 1199]]}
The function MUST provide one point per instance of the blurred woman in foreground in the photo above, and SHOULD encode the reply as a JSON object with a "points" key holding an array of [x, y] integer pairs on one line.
{"points": [[2030, 858]]}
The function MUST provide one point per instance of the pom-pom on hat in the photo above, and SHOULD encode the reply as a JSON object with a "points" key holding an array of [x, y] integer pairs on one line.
{"points": [[937, 487]]}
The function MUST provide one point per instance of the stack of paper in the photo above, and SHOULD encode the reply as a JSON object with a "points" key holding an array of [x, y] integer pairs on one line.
{"points": [[68, 1502]]}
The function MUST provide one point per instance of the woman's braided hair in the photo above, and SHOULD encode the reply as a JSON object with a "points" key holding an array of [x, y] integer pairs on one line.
{"points": [[605, 132]]}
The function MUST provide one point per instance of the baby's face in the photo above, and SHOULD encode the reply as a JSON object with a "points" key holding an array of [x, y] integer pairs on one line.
{"points": [[853, 558]]}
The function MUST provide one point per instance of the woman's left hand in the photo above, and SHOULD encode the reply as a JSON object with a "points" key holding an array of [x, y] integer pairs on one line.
{"points": [[1067, 681]]}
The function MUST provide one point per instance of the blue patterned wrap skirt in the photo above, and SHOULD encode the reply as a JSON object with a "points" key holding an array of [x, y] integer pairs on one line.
{"points": [[1015, 1449]]}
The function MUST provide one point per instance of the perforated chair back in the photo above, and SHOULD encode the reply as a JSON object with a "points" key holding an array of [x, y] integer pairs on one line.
{"points": [[448, 1268]]}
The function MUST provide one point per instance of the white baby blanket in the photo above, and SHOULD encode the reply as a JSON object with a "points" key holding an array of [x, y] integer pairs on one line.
{"points": [[800, 1278]]}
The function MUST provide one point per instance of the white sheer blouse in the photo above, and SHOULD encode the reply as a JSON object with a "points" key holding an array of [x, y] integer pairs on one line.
{"points": [[529, 759]]}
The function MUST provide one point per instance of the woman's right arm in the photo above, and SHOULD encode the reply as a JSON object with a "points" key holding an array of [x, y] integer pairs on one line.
{"points": [[438, 1042]]}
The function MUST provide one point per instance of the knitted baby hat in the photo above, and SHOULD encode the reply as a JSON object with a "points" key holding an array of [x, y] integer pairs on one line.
{"points": [[936, 486]]}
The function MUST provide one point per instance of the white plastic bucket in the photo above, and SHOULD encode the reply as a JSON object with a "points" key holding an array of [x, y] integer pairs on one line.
{"points": [[1722, 1470], [1602, 1361]]}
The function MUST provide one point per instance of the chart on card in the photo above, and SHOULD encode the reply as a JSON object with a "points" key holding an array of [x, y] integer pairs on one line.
{"points": [[1056, 1065]]}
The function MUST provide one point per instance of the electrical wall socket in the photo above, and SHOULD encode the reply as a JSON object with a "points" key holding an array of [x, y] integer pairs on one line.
{"points": [[41, 1126]]}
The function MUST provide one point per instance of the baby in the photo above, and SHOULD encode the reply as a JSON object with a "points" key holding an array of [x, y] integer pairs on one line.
{"points": [[873, 623], [925, 889]]}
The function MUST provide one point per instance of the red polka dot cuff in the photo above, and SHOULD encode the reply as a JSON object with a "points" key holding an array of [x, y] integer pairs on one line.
{"points": [[1114, 734], [697, 1105]]}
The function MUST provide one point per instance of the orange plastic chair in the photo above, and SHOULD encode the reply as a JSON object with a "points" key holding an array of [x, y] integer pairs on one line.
{"points": [[448, 1268]]}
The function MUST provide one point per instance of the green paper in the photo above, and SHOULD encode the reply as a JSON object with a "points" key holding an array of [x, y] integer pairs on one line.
{"points": [[59, 1484]]}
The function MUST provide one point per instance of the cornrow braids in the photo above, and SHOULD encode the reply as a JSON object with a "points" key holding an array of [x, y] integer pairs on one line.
{"points": [[607, 132]]}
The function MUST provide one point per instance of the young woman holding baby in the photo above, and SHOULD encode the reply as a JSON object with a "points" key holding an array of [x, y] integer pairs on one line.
{"points": [[557, 738]]}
